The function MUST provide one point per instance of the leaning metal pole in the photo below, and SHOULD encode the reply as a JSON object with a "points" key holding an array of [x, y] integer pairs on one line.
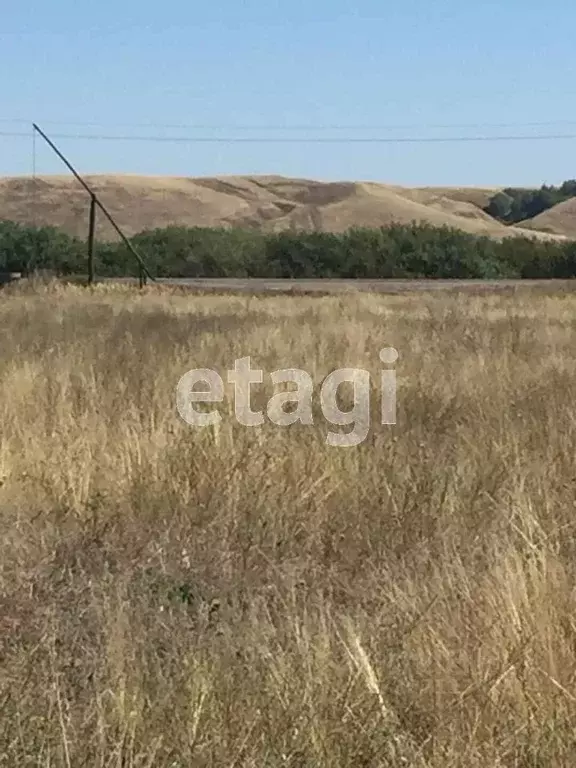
{"points": [[143, 270]]}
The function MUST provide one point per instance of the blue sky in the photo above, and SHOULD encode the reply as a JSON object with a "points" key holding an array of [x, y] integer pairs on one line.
{"points": [[226, 65]]}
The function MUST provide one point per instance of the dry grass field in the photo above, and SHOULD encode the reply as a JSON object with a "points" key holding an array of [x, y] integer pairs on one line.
{"points": [[173, 596]]}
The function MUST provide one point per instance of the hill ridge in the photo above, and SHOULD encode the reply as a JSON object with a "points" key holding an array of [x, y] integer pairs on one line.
{"points": [[268, 202]]}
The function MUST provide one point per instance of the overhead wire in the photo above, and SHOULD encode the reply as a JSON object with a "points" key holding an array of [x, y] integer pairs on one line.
{"points": [[296, 127], [304, 140]]}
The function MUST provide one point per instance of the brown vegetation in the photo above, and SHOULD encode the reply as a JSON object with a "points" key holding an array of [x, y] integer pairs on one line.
{"points": [[559, 220], [266, 202], [253, 597]]}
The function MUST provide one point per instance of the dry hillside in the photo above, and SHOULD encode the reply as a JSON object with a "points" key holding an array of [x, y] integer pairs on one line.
{"points": [[271, 203], [559, 220]]}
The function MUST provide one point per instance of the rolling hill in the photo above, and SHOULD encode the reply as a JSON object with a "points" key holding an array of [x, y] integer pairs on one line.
{"points": [[559, 220], [271, 203]]}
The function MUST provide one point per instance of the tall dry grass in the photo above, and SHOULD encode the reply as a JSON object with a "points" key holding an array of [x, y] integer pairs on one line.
{"points": [[171, 596]]}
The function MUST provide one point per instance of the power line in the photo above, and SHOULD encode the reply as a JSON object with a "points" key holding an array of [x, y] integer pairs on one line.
{"points": [[303, 127], [302, 140]]}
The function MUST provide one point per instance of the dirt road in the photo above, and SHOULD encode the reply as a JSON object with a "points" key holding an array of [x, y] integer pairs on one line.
{"points": [[262, 285]]}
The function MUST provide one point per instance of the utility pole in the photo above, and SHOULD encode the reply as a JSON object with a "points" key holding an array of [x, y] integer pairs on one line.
{"points": [[91, 230], [143, 269]]}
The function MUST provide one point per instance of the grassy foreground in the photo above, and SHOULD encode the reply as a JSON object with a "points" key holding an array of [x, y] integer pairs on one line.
{"points": [[238, 596]]}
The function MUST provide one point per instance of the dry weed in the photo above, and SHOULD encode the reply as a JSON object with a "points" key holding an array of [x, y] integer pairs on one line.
{"points": [[252, 597]]}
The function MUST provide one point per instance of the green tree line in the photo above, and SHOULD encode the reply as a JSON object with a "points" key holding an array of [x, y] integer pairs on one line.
{"points": [[513, 205], [399, 251]]}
